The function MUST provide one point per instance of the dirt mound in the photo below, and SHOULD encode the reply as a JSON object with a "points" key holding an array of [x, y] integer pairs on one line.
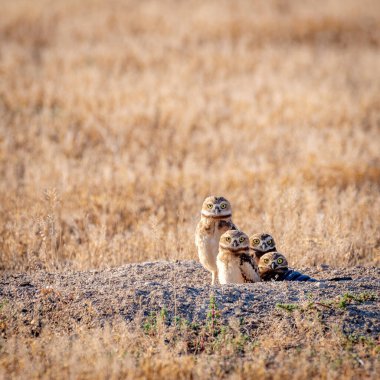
{"points": [[182, 290]]}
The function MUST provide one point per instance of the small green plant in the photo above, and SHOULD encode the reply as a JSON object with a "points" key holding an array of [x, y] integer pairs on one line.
{"points": [[154, 320], [365, 296], [150, 323], [344, 301], [287, 306], [213, 317], [349, 298]]}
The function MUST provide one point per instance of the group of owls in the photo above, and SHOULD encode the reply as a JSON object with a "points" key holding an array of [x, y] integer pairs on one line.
{"points": [[229, 254]]}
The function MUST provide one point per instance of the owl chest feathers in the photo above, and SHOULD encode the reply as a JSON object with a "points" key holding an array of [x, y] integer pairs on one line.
{"points": [[229, 271], [236, 269]]}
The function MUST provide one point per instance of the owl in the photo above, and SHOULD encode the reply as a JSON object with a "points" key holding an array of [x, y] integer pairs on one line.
{"points": [[216, 219], [273, 266], [260, 244], [235, 265]]}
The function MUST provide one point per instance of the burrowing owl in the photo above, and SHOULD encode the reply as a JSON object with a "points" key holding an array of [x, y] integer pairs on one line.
{"points": [[216, 219], [273, 266], [260, 244], [235, 265]]}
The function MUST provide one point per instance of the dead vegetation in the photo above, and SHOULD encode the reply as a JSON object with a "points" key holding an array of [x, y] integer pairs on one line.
{"points": [[118, 117], [296, 341], [131, 113]]}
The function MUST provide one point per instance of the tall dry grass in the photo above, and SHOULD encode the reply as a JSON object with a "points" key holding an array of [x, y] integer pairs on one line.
{"points": [[118, 117]]}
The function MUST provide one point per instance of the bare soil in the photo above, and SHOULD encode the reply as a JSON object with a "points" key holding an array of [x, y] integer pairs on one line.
{"points": [[181, 288]]}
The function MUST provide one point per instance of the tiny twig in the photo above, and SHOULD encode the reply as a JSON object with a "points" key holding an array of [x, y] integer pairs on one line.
{"points": [[321, 304]]}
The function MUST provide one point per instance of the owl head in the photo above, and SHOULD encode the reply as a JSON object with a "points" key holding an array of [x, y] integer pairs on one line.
{"points": [[216, 207], [234, 241], [272, 262], [262, 243]]}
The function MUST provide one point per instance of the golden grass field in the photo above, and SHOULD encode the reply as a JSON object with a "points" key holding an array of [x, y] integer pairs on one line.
{"points": [[117, 118]]}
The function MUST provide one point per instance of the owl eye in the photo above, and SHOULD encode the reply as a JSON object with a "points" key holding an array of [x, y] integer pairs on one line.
{"points": [[209, 205], [270, 242], [256, 241], [223, 205], [280, 260], [266, 261], [228, 239], [242, 238]]}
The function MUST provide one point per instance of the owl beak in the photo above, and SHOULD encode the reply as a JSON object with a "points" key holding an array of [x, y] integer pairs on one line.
{"points": [[217, 210], [273, 265], [234, 243]]}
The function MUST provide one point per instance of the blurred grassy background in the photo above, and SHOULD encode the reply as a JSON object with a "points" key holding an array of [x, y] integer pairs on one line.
{"points": [[117, 118]]}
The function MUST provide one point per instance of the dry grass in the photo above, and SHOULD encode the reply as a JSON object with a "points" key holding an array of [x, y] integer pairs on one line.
{"points": [[294, 344], [118, 352], [130, 113], [118, 117]]}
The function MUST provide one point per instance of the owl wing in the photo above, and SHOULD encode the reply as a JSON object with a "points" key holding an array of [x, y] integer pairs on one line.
{"points": [[248, 269], [226, 225], [204, 227], [197, 234], [233, 226]]}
